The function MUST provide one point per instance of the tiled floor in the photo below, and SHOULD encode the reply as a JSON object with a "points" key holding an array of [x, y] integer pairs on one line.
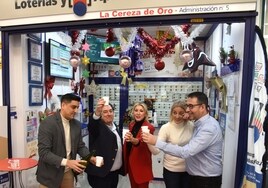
{"points": [[123, 182]]}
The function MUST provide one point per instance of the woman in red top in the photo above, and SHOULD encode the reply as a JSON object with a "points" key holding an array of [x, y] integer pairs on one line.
{"points": [[138, 159]]}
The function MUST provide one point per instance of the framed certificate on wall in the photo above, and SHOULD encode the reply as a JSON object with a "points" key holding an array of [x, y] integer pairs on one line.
{"points": [[35, 73], [34, 51], [35, 95]]}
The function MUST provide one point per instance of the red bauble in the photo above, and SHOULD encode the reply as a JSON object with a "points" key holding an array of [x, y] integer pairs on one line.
{"points": [[159, 65], [110, 51]]}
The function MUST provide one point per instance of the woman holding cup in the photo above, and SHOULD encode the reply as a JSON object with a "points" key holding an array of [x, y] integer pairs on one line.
{"points": [[137, 155]]}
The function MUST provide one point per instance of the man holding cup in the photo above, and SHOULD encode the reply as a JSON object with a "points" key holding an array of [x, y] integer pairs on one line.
{"points": [[106, 140]]}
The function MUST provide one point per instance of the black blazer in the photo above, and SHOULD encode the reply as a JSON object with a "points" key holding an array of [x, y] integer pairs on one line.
{"points": [[104, 141], [52, 149]]}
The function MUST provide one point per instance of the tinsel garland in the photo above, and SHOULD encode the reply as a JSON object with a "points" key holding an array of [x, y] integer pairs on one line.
{"points": [[125, 44], [185, 39], [68, 39]]}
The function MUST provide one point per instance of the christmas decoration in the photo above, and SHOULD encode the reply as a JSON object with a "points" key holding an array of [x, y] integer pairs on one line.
{"points": [[157, 47], [125, 62], [233, 62], [74, 86], [109, 35], [223, 55], [81, 86], [92, 88], [49, 83], [85, 73], [134, 53], [186, 38], [110, 51], [159, 65], [186, 55], [85, 47], [125, 77], [75, 59], [85, 60], [73, 40], [199, 58], [125, 43], [232, 55]]}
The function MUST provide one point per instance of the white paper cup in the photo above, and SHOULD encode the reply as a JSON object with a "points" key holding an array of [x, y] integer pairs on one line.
{"points": [[145, 129], [14, 163], [106, 98], [99, 161]]}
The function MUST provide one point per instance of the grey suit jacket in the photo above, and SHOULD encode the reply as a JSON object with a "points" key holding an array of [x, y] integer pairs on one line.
{"points": [[52, 149]]}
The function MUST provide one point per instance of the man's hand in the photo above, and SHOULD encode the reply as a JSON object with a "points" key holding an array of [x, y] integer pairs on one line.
{"points": [[148, 138], [93, 160], [76, 165], [99, 107]]}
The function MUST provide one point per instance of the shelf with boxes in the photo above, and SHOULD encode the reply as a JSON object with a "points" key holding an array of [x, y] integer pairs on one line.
{"points": [[163, 93], [113, 92]]}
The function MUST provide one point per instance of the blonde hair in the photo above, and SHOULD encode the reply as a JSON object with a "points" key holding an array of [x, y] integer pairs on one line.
{"points": [[176, 104], [144, 106]]}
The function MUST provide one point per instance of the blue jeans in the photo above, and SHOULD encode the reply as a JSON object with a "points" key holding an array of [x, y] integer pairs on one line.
{"points": [[176, 179]]}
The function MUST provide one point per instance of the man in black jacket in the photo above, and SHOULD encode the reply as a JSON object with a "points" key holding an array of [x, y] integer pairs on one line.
{"points": [[105, 138]]}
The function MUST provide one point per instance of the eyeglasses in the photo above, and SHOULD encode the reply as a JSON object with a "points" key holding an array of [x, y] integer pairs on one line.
{"points": [[191, 106]]}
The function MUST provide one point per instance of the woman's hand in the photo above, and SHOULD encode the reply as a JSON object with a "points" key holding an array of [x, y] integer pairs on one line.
{"points": [[129, 138], [148, 138]]}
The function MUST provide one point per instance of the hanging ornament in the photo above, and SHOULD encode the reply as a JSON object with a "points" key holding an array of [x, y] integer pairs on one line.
{"points": [[49, 83], [85, 73], [199, 58], [125, 62], [75, 59], [110, 51], [85, 60], [159, 65], [85, 47], [109, 35], [74, 35], [81, 86], [74, 86], [92, 88]]}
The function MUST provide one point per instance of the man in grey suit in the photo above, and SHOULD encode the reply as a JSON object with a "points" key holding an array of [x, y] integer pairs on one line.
{"points": [[59, 141]]}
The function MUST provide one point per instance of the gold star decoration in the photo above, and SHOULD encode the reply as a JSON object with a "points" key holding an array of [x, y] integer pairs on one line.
{"points": [[92, 88], [85, 73], [85, 60]]}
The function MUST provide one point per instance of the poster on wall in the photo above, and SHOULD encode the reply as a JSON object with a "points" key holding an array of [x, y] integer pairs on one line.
{"points": [[32, 130], [253, 176]]}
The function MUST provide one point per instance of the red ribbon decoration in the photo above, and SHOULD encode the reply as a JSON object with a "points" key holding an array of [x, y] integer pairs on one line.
{"points": [[81, 86], [158, 48], [49, 83]]}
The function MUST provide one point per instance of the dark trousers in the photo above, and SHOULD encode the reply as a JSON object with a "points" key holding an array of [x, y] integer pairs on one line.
{"points": [[176, 179], [205, 182], [109, 181]]}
